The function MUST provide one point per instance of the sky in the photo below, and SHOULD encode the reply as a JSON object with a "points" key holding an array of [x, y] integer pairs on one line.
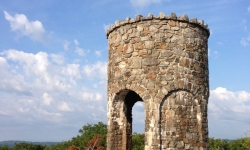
{"points": [[53, 64]]}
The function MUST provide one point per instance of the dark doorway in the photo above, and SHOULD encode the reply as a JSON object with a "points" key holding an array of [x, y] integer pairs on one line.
{"points": [[130, 100]]}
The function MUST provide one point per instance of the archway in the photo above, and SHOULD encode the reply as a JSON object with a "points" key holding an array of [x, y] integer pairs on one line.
{"points": [[180, 121], [130, 99], [120, 119]]}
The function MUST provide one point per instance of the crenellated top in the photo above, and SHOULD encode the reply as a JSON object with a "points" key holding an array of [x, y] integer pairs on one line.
{"points": [[138, 18]]}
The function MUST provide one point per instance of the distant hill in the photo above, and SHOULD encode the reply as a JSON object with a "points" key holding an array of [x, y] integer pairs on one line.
{"points": [[12, 143]]}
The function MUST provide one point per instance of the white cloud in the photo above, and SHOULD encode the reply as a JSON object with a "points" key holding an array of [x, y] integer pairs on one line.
{"points": [[57, 58], [214, 54], [106, 27], [244, 42], [20, 56], [80, 51], [73, 72], [47, 99], [3, 112], [220, 43], [91, 96], [43, 87], [248, 38], [228, 105], [48, 115], [33, 64], [244, 21], [64, 107], [143, 3], [3, 64], [11, 83], [31, 29], [248, 8], [76, 42], [98, 69], [37, 69], [66, 45], [98, 53]]}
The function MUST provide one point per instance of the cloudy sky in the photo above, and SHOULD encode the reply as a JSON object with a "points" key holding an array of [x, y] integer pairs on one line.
{"points": [[53, 59]]}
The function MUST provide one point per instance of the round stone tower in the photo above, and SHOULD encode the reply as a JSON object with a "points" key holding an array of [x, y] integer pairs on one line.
{"points": [[162, 61]]}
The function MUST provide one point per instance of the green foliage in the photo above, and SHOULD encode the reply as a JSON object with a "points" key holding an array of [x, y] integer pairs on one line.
{"points": [[87, 132], [235, 145], [5, 147], [217, 144], [241, 144], [246, 143], [28, 146], [138, 141], [24, 146]]}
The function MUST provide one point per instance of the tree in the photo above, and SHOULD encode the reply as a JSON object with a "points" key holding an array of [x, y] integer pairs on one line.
{"points": [[246, 140], [5, 147], [138, 141], [217, 144], [28, 146], [89, 131], [73, 148], [86, 133]]}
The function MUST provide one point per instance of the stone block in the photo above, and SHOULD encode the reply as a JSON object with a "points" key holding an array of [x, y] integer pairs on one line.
{"points": [[150, 62], [138, 46], [136, 63], [149, 44]]}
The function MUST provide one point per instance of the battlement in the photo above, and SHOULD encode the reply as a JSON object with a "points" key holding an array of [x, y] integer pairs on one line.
{"points": [[138, 18]]}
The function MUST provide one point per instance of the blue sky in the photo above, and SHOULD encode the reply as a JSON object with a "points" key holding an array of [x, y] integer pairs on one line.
{"points": [[53, 59]]}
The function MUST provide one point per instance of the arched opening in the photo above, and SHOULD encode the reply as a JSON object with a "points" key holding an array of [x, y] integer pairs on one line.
{"points": [[133, 114], [179, 116], [121, 120], [130, 99]]}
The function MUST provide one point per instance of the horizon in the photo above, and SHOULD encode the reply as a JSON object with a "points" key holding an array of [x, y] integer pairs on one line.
{"points": [[53, 61]]}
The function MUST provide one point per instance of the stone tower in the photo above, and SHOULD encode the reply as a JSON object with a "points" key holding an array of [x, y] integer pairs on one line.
{"points": [[162, 61]]}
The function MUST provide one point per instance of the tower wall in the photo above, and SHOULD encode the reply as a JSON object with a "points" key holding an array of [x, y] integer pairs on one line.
{"points": [[163, 60]]}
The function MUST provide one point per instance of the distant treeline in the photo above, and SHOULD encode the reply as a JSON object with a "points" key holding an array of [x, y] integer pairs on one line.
{"points": [[94, 135], [11, 144]]}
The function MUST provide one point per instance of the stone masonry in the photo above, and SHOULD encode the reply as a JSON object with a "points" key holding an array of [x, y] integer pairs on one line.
{"points": [[162, 61]]}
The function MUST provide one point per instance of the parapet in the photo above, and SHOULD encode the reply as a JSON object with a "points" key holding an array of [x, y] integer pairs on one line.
{"points": [[138, 18]]}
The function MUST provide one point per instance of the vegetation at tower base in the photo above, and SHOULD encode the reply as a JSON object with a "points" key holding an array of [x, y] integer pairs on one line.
{"points": [[90, 132], [86, 134], [138, 141], [239, 144]]}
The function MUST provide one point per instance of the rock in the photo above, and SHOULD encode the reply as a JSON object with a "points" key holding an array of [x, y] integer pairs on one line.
{"points": [[149, 44], [150, 62], [136, 63]]}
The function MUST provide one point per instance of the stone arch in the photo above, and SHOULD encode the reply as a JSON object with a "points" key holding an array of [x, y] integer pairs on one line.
{"points": [[121, 121], [180, 122]]}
